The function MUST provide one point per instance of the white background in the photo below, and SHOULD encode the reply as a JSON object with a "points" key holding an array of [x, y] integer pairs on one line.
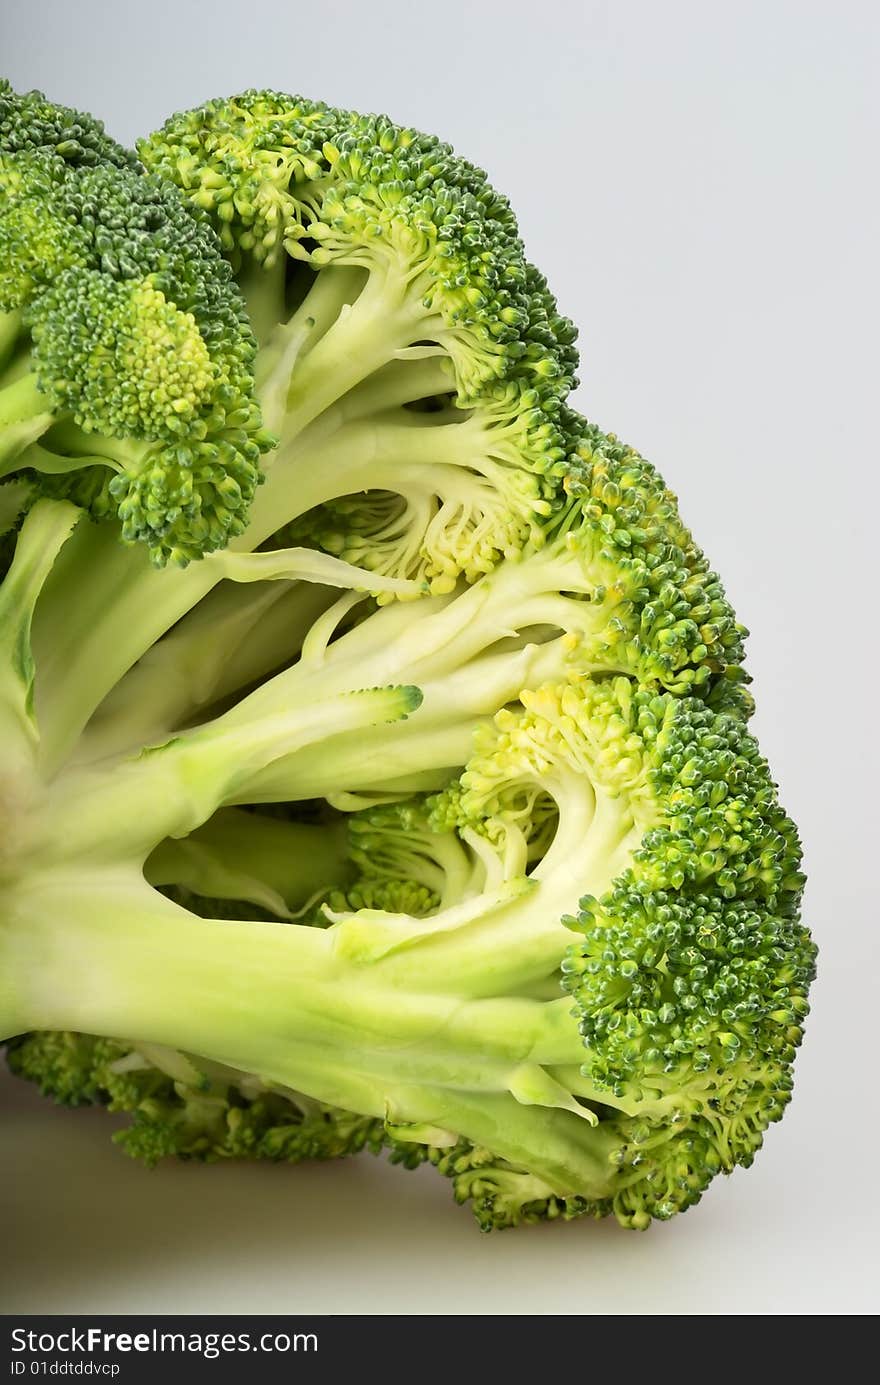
{"points": [[699, 184]]}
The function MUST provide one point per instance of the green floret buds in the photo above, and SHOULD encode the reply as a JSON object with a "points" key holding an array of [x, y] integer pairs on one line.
{"points": [[692, 977], [384, 275], [36, 243], [333, 187], [149, 368], [122, 329], [29, 122], [670, 610]]}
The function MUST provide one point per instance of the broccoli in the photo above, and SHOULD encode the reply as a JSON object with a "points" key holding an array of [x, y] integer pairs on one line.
{"points": [[424, 816], [126, 358]]}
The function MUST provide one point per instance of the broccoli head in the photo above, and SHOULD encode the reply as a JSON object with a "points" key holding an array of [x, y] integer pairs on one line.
{"points": [[424, 816]]}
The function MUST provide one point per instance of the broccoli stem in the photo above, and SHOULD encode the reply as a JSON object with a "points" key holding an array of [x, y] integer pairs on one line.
{"points": [[360, 763], [451, 640], [87, 654], [393, 387], [23, 418], [263, 291], [44, 532], [401, 644], [79, 942], [331, 293], [123, 608], [238, 634], [11, 330], [359, 340], [511, 937], [408, 454], [438, 738], [179, 785], [278, 864], [109, 956], [353, 355]]}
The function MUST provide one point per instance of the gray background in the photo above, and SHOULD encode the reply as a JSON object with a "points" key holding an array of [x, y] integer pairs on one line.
{"points": [[699, 183]]}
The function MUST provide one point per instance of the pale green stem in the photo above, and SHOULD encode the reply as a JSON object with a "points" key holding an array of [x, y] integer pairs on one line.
{"points": [[24, 417], [263, 292], [82, 648], [11, 329], [270, 861], [395, 385], [438, 737], [274, 1000], [171, 789], [45, 531], [500, 952], [237, 635], [84, 651]]}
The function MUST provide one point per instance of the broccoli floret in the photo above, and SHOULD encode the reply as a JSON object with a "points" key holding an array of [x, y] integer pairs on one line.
{"points": [[426, 815], [419, 332], [29, 123], [126, 358]]}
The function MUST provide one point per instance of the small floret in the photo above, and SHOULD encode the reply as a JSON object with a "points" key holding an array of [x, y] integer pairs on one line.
{"points": [[126, 361], [412, 293]]}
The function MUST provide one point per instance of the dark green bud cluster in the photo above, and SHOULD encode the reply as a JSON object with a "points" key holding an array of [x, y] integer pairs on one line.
{"points": [[36, 242], [28, 122], [691, 978], [177, 1123], [280, 174], [497, 318], [138, 332], [661, 1168], [242, 159], [147, 369], [731, 694], [693, 972], [663, 1164], [63, 1066], [667, 614], [685, 982], [331, 186], [722, 819]]}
